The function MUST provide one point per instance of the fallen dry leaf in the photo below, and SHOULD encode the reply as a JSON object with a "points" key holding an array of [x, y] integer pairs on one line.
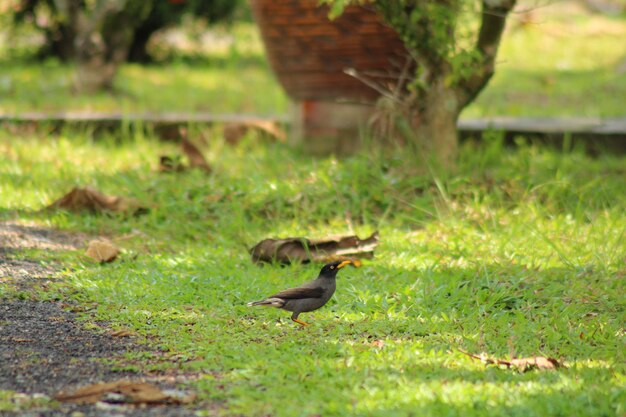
{"points": [[300, 249], [196, 159], [378, 343], [234, 132], [122, 333], [79, 199], [214, 198], [127, 391], [21, 340], [537, 362], [102, 251], [521, 364], [271, 128]]}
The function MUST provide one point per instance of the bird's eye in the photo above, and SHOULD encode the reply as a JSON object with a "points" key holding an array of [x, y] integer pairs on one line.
{"points": [[332, 267]]}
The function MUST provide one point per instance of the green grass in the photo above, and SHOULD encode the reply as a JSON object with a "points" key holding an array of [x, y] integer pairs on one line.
{"points": [[557, 61], [232, 79], [521, 252], [216, 86], [554, 61], [15, 402]]}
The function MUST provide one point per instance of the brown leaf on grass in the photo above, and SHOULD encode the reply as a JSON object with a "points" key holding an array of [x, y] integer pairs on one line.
{"points": [[300, 249], [270, 128], [234, 132], [213, 198], [378, 343], [196, 159], [90, 199], [537, 362], [21, 340], [521, 364], [122, 391], [122, 333], [102, 251]]}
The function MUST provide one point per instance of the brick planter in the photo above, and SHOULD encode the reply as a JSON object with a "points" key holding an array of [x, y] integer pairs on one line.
{"points": [[309, 54]]}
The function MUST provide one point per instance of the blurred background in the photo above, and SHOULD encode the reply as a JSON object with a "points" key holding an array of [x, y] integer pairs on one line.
{"points": [[564, 58]]}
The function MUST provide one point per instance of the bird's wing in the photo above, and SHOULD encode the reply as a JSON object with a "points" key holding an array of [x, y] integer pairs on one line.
{"points": [[299, 293]]}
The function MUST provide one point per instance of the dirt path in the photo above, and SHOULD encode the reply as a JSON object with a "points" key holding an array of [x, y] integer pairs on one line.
{"points": [[44, 349]]}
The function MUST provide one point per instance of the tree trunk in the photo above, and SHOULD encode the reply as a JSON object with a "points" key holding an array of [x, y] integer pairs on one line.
{"points": [[103, 39], [138, 51], [441, 91], [97, 62], [434, 122], [60, 43]]}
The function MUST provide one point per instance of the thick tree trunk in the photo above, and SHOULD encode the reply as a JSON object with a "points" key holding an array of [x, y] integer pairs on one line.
{"points": [[103, 39], [425, 122], [60, 43], [437, 138], [434, 121], [139, 48], [97, 62], [154, 21], [441, 91]]}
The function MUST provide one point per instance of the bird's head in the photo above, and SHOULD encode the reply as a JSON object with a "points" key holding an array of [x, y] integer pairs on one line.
{"points": [[330, 270]]}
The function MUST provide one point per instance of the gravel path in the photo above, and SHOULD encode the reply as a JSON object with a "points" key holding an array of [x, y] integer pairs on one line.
{"points": [[44, 349]]}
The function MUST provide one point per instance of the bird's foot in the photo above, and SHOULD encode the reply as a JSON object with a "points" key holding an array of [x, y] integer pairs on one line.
{"points": [[300, 322]]}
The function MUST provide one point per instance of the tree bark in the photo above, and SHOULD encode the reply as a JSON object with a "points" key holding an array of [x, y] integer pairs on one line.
{"points": [[435, 125], [440, 96], [493, 22], [97, 60], [103, 39], [138, 51], [59, 43]]}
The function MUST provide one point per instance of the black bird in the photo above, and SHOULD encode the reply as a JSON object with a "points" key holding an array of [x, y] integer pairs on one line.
{"points": [[309, 296]]}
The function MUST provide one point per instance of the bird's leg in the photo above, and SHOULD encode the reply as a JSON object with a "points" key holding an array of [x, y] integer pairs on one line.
{"points": [[300, 322], [294, 317]]}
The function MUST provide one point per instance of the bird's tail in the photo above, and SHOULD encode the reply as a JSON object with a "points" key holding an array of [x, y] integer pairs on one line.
{"points": [[268, 302]]}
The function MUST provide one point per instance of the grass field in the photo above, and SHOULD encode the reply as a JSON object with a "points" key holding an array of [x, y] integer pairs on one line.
{"points": [[555, 60], [522, 253]]}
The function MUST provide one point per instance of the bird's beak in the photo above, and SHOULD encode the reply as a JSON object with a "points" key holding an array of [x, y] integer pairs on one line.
{"points": [[348, 262]]}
